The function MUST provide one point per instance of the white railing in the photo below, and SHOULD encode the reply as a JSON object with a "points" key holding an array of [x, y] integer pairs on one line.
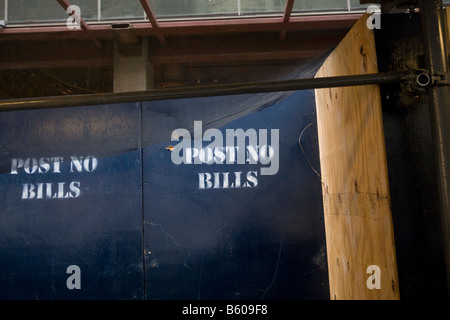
{"points": [[99, 18]]}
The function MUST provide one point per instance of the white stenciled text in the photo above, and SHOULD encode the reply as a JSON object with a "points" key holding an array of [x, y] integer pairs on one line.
{"points": [[51, 188], [238, 147]]}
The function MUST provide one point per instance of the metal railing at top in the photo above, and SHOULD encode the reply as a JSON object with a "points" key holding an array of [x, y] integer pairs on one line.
{"points": [[24, 12]]}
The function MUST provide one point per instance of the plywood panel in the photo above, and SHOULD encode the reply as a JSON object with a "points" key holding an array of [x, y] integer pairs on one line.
{"points": [[233, 239], [356, 197]]}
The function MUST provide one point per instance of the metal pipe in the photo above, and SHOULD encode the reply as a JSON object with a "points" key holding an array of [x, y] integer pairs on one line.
{"points": [[203, 91], [436, 59]]}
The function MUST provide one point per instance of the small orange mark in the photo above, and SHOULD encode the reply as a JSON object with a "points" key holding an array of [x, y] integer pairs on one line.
{"points": [[170, 148]]}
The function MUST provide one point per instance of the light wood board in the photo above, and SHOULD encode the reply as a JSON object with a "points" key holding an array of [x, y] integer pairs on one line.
{"points": [[356, 199]]}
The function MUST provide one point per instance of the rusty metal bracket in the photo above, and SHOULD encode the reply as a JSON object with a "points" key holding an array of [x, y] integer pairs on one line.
{"points": [[440, 79]]}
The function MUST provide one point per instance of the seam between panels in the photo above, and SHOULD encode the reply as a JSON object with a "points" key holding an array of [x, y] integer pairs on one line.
{"points": [[142, 200]]}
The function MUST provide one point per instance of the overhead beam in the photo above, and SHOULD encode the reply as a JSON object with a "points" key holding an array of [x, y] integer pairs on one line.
{"points": [[247, 25], [224, 48], [66, 54], [286, 17], [185, 28], [84, 26], [153, 21], [245, 47]]}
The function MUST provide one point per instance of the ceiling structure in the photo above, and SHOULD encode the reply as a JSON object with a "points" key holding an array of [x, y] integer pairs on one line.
{"points": [[47, 58]]}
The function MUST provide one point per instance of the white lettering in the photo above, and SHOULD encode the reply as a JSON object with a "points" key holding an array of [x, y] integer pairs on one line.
{"points": [[74, 281], [223, 180], [34, 165], [374, 21], [374, 280], [197, 139], [15, 164], [182, 147], [204, 180], [241, 136], [217, 143], [252, 178], [73, 22], [89, 164], [56, 162], [241, 147], [270, 154], [45, 165], [50, 191], [75, 189], [28, 191], [199, 310]]}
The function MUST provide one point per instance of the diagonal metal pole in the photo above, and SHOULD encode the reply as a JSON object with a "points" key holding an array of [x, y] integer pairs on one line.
{"points": [[204, 91]]}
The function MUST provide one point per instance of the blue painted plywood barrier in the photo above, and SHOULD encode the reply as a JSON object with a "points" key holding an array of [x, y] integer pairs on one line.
{"points": [[217, 228], [70, 195], [109, 202]]}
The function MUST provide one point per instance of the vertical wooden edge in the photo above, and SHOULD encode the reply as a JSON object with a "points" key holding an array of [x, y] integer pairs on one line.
{"points": [[356, 198]]}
